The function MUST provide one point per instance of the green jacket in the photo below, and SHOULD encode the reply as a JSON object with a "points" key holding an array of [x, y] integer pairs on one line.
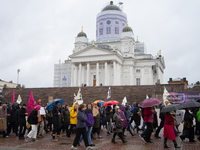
{"points": [[198, 115]]}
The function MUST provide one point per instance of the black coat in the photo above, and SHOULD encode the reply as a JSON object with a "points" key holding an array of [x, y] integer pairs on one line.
{"points": [[55, 113], [162, 115], [33, 119], [66, 117], [135, 114], [22, 116], [8, 112], [13, 115]]}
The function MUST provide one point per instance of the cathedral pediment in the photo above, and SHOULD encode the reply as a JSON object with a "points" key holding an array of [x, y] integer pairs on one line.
{"points": [[92, 51]]}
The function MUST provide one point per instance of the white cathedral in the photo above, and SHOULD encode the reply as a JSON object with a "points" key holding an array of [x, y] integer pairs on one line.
{"points": [[114, 59]]}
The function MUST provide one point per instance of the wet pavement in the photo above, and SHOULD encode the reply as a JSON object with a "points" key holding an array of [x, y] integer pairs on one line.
{"points": [[65, 143]]}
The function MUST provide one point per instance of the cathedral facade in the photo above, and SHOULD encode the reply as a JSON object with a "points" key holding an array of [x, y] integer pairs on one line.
{"points": [[115, 58]]}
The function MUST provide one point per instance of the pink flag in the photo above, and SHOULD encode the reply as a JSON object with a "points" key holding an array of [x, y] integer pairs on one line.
{"points": [[13, 97], [31, 104]]}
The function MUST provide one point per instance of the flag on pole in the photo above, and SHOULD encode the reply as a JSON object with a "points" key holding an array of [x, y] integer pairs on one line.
{"points": [[31, 104], [19, 100], [124, 101], [165, 94], [109, 93], [13, 97], [79, 98]]}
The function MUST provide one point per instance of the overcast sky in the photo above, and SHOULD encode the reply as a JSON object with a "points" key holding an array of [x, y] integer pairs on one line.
{"points": [[35, 34]]}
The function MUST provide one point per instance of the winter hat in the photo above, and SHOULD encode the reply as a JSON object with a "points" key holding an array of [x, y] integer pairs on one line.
{"points": [[39, 101], [24, 105], [38, 107]]}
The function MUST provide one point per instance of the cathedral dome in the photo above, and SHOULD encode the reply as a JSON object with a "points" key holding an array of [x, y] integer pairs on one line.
{"points": [[81, 33], [111, 7], [127, 29]]}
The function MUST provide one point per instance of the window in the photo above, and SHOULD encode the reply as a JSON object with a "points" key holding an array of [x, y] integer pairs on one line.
{"points": [[94, 77], [137, 70], [116, 30], [137, 81], [116, 22], [108, 30], [101, 23], [101, 31]]}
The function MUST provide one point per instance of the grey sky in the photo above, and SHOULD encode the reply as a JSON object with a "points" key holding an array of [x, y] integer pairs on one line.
{"points": [[35, 34]]}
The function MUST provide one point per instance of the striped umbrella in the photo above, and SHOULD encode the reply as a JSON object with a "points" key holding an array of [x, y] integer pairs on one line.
{"points": [[98, 101]]}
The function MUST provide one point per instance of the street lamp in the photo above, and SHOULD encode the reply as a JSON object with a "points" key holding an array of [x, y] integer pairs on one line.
{"points": [[18, 70]]}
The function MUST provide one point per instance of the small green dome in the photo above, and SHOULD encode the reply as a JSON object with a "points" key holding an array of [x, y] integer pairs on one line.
{"points": [[127, 29], [111, 7], [81, 34]]}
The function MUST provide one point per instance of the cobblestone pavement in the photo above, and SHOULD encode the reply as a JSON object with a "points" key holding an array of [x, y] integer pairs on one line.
{"points": [[65, 143]]}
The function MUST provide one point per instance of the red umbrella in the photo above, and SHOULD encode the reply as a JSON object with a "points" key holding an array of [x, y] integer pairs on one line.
{"points": [[112, 102], [150, 102]]}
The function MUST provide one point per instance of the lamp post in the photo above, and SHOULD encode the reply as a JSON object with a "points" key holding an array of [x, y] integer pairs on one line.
{"points": [[18, 70]]}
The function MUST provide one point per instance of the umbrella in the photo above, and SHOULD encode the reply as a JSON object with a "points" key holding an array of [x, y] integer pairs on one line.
{"points": [[98, 101], [112, 102], [150, 102], [191, 105], [198, 100], [52, 103], [172, 107]]}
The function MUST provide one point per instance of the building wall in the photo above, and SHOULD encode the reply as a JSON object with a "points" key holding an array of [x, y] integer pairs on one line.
{"points": [[90, 94]]}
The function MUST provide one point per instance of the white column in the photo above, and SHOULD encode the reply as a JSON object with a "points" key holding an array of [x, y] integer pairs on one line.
{"points": [[106, 73], [134, 76], [131, 75], [75, 75], [97, 74], [79, 77], [88, 73], [114, 73], [72, 74]]}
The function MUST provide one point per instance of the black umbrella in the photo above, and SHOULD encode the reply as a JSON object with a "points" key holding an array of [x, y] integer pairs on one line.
{"points": [[198, 100], [191, 105], [172, 107]]}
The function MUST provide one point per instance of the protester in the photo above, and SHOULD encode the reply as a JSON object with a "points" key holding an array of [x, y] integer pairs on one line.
{"points": [[169, 130], [198, 119], [125, 122], [56, 121], [3, 116], [81, 128], [108, 118], [89, 123], [155, 119], [179, 118], [22, 121], [8, 118], [127, 113], [148, 119], [119, 127], [73, 118], [49, 118], [66, 118], [188, 129], [102, 112], [13, 120], [96, 126], [136, 116], [41, 122], [33, 120], [162, 118]]}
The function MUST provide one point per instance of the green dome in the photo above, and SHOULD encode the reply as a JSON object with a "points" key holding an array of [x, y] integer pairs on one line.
{"points": [[111, 7], [81, 34], [127, 29]]}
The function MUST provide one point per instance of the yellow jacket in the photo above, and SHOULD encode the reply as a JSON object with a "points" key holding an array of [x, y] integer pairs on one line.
{"points": [[73, 115]]}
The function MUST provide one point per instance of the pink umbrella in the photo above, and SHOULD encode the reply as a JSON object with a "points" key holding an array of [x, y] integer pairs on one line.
{"points": [[13, 97], [150, 102]]}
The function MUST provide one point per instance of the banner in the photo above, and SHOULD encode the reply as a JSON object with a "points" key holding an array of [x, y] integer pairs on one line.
{"points": [[109, 93], [183, 97]]}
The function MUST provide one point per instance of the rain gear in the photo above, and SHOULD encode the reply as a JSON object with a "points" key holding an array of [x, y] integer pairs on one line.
{"points": [[118, 121], [124, 123], [73, 115]]}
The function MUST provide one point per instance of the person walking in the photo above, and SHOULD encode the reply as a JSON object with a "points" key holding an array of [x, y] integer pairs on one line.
{"points": [[96, 126], [109, 115], [49, 118], [198, 119], [136, 116], [13, 120], [169, 130], [119, 127], [66, 118], [188, 129], [3, 115], [41, 122], [73, 118], [22, 121], [56, 121], [33, 120], [81, 128], [148, 119]]}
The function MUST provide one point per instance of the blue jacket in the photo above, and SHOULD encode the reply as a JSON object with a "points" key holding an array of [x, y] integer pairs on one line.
{"points": [[81, 119], [132, 107]]}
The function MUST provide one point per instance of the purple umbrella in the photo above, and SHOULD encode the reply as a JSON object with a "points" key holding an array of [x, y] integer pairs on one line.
{"points": [[150, 102]]}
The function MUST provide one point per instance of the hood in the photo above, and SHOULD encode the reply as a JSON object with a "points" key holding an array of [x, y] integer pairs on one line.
{"points": [[39, 100], [127, 107], [122, 107], [116, 110], [4, 107], [14, 105], [38, 107]]}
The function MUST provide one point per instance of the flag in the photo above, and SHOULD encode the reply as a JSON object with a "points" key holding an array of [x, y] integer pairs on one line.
{"points": [[124, 101], [31, 104], [13, 97], [147, 97], [109, 93], [165, 94], [79, 97], [19, 100]]}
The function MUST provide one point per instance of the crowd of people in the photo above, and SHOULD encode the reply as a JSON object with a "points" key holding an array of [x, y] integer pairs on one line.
{"points": [[86, 120]]}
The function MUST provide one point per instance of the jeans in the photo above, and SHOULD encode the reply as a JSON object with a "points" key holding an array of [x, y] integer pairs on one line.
{"points": [[145, 131], [144, 124], [109, 127], [89, 130], [137, 122]]}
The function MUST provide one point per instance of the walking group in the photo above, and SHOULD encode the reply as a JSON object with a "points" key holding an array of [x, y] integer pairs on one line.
{"points": [[89, 120]]}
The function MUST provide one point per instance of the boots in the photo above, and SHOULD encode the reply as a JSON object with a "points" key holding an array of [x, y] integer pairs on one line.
{"points": [[165, 143], [131, 132], [113, 141], [123, 140], [175, 144], [54, 137]]}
